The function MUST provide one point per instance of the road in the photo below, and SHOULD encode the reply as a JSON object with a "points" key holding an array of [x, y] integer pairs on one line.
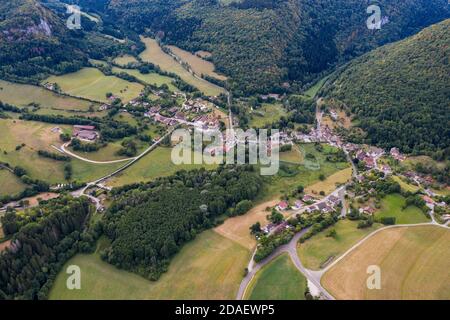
{"points": [[64, 150], [291, 249]]}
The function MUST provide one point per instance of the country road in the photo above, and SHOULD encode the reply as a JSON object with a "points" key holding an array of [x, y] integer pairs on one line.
{"points": [[291, 249], [74, 155]]}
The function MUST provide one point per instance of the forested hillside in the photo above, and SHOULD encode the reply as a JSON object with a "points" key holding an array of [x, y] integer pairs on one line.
{"points": [[261, 44], [35, 41], [400, 93], [149, 223], [44, 238]]}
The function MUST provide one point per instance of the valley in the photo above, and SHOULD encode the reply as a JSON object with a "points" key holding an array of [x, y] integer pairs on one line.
{"points": [[88, 175]]}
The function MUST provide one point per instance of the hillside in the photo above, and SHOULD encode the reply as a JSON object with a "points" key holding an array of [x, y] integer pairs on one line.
{"points": [[34, 42], [400, 92], [263, 43]]}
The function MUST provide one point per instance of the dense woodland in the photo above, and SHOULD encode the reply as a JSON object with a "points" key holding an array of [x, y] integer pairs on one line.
{"points": [[263, 43], [149, 223], [43, 239], [400, 93]]}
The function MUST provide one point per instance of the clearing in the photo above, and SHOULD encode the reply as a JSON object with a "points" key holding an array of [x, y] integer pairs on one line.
{"points": [[10, 184], [156, 55], [392, 206], [414, 263], [125, 60], [197, 64], [22, 95], [209, 267], [331, 182], [319, 251], [152, 78], [157, 163], [266, 115], [92, 84], [278, 280]]}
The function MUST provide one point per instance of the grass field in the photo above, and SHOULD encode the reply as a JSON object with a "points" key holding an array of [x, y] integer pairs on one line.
{"points": [[198, 65], [391, 206], [156, 164], [292, 156], [91, 83], [414, 264], [311, 92], [406, 186], [155, 55], [209, 267], [86, 172], [329, 184], [124, 60], [308, 173], [149, 78], [36, 136], [320, 250], [278, 280], [9, 183], [22, 95], [266, 115]]}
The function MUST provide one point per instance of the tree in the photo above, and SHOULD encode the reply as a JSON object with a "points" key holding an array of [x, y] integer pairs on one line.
{"points": [[255, 228]]}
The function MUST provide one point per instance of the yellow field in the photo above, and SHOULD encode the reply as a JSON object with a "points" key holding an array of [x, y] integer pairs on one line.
{"points": [[414, 264], [292, 156], [91, 83], [22, 95], [329, 184], [198, 65], [155, 55], [209, 267], [124, 60], [237, 228], [406, 186]]}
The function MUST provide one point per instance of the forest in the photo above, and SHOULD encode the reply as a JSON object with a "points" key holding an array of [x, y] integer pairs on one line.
{"points": [[400, 93], [43, 239], [148, 223]]}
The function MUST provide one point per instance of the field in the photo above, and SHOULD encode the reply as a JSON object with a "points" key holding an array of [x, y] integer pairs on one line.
{"points": [[155, 55], [38, 136], [86, 172], [320, 250], [266, 115], [414, 264], [35, 136], [156, 164], [9, 183], [406, 186], [209, 267], [292, 156], [92, 84], [307, 173], [149, 78], [329, 184], [22, 95], [311, 92], [279, 280], [391, 206], [124, 60], [237, 228], [198, 65]]}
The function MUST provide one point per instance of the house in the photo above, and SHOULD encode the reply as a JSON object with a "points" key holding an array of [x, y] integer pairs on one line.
{"points": [[333, 201], [386, 169], [429, 202], [323, 207], [395, 153], [308, 198], [85, 132], [367, 210], [283, 205], [298, 205]]}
